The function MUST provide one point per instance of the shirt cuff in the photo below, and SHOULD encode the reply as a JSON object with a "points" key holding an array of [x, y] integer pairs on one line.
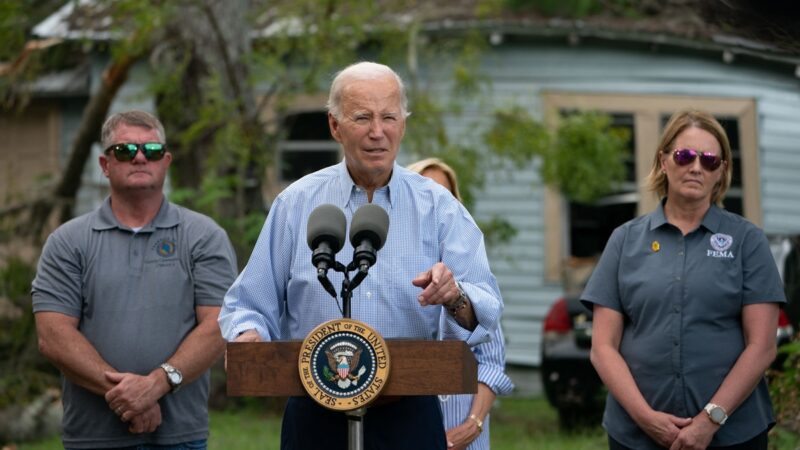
{"points": [[496, 378]]}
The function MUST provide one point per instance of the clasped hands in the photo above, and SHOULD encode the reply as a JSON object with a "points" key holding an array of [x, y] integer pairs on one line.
{"points": [[678, 433], [134, 398]]}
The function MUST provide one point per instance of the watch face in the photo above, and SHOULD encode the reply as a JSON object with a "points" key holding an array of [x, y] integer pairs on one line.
{"points": [[717, 414], [174, 378]]}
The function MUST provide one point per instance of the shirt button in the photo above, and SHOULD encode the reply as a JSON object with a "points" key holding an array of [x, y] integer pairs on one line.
{"points": [[676, 310], [678, 278], [676, 343], [680, 253], [369, 294]]}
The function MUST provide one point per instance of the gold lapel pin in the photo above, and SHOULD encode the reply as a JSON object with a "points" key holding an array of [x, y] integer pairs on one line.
{"points": [[655, 246]]}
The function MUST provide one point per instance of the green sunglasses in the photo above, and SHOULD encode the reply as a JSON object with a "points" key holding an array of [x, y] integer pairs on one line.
{"points": [[152, 151]]}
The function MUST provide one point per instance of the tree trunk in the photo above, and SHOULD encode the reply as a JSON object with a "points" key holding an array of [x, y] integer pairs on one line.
{"points": [[211, 97], [62, 199]]}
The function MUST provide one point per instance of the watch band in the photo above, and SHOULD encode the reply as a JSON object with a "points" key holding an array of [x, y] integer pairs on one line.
{"points": [[716, 413], [458, 304], [174, 376]]}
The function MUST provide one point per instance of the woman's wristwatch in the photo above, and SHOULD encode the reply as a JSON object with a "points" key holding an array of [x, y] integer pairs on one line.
{"points": [[716, 413]]}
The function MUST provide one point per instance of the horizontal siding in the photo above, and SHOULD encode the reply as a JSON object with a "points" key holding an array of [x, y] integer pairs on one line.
{"points": [[519, 75]]}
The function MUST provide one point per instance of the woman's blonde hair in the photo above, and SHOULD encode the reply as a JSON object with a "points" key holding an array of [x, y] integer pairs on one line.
{"points": [[657, 180], [436, 163]]}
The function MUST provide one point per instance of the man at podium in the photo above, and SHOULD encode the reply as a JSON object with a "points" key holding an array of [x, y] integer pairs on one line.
{"points": [[433, 263]]}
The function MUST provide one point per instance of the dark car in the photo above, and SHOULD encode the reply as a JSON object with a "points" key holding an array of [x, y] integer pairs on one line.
{"points": [[570, 382]]}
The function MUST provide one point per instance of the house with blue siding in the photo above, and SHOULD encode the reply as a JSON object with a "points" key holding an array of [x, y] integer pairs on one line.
{"points": [[547, 67]]}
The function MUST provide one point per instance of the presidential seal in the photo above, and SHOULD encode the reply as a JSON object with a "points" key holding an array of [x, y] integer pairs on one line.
{"points": [[344, 364]]}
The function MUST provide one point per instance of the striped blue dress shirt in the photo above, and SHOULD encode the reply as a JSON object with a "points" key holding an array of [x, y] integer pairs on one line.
{"points": [[278, 295], [491, 357]]}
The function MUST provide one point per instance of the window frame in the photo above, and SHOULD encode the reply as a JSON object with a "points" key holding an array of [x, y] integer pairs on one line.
{"points": [[647, 110]]}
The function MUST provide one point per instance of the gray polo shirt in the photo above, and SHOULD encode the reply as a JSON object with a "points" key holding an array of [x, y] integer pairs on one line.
{"points": [[682, 299], [135, 295]]}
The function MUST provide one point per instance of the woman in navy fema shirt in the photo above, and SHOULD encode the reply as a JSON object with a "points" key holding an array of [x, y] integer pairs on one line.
{"points": [[686, 303]]}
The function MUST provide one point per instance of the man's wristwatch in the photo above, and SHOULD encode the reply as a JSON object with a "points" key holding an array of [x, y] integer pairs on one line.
{"points": [[174, 376], [716, 413], [458, 304]]}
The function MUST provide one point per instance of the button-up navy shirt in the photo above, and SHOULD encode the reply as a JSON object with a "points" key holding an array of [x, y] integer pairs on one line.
{"points": [[682, 299]]}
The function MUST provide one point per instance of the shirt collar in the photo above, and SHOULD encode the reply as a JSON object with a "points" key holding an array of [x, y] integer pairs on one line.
{"points": [[711, 220], [657, 218], [346, 184], [105, 219]]}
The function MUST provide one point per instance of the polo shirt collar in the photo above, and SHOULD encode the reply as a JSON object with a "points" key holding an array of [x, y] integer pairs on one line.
{"points": [[167, 217], [346, 184], [657, 217], [711, 220]]}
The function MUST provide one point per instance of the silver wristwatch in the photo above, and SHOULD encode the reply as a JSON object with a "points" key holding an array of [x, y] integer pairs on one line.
{"points": [[458, 304], [174, 376], [716, 413]]}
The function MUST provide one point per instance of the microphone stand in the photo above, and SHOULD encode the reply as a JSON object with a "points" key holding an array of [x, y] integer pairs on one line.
{"points": [[355, 418]]}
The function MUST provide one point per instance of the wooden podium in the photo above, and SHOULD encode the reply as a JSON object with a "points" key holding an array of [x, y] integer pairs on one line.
{"points": [[269, 369]]}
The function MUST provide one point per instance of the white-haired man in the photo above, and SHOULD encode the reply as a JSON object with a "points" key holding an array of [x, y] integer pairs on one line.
{"points": [[433, 263]]}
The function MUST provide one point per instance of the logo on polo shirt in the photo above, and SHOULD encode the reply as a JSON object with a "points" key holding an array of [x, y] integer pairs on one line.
{"points": [[165, 248], [720, 243]]}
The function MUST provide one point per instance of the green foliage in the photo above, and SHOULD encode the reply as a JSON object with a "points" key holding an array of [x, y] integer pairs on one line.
{"points": [[24, 374], [496, 230], [583, 158], [576, 9], [516, 136], [568, 8], [586, 160], [139, 25], [783, 387], [426, 133], [12, 29], [517, 424]]}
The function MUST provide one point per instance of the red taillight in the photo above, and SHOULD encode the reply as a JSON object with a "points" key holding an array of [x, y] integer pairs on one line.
{"points": [[558, 319], [783, 319]]}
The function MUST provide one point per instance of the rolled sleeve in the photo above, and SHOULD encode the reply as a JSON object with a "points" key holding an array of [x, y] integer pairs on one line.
{"points": [[491, 357]]}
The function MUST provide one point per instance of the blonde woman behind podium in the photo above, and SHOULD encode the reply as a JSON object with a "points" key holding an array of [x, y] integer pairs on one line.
{"points": [[466, 417]]}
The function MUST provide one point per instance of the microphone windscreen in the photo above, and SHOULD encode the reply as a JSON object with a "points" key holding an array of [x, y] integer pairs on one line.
{"points": [[326, 223], [369, 222]]}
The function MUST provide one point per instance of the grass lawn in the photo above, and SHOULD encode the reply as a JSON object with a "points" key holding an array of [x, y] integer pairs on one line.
{"points": [[517, 424]]}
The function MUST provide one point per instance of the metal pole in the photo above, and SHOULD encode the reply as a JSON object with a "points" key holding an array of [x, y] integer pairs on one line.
{"points": [[355, 428], [347, 296]]}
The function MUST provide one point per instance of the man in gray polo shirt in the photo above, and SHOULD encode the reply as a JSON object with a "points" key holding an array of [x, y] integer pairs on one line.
{"points": [[126, 300]]}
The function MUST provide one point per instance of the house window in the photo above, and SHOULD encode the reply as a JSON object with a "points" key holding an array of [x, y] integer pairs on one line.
{"points": [[590, 225], [576, 231], [307, 147]]}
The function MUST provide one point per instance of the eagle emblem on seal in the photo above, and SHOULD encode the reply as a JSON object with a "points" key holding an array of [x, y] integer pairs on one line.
{"points": [[343, 366]]}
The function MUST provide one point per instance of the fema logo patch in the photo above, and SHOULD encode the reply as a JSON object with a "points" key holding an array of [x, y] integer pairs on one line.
{"points": [[720, 243], [344, 364], [165, 248]]}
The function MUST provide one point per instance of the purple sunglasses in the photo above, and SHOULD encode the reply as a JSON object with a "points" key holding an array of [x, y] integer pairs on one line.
{"points": [[686, 156]]}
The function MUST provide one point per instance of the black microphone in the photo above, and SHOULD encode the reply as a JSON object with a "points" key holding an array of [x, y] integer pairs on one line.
{"points": [[368, 234], [325, 237]]}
